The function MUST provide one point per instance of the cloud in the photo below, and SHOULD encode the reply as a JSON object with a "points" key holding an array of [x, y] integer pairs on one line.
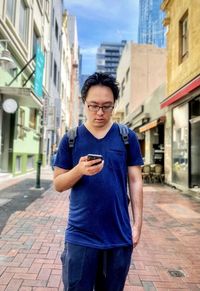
{"points": [[89, 50], [103, 21]]}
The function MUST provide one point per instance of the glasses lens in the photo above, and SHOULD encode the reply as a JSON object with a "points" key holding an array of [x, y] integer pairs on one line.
{"points": [[107, 108]]}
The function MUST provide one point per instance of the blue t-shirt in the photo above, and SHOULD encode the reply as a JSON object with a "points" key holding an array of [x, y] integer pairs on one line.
{"points": [[98, 212]]}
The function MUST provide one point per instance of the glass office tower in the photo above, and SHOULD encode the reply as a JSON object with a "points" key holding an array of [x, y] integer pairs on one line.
{"points": [[150, 29]]}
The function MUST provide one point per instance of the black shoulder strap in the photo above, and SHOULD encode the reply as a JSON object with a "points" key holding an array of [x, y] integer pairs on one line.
{"points": [[72, 133], [123, 129]]}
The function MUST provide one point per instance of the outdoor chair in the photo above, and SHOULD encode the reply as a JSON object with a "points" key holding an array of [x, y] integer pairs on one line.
{"points": [[157, 175], [146, 174]]}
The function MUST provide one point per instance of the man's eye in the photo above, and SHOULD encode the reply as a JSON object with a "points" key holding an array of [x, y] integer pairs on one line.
{"points": [[94, 106]]}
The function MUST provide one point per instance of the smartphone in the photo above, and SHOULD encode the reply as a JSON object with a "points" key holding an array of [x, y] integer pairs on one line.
{"points": [[91, 157]]}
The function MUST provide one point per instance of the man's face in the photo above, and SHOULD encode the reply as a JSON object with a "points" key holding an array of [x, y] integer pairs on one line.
{"points": [[99, 96]]}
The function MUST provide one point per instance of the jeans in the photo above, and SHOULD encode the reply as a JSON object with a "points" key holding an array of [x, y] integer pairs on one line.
{"points": [[88, 269]]}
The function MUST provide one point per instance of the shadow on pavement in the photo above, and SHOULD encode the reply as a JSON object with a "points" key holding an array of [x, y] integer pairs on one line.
{"points": [[17, 197]]}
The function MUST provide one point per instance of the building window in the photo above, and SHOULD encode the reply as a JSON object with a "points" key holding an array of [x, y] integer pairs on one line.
{"points": [[58, 83], [30, 162], [122, 87], [127, 109], [53, 17], [18, 165], [183, 28], [51, 69], [127, 74], [56, 29], [36, 41], [21, 123], [33, 118], [180, 145], [47, 7], [23, 21], [55, 73], [11, 10]]}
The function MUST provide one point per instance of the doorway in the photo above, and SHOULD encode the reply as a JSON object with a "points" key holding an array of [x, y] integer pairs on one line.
{"points": [[194, 143]]}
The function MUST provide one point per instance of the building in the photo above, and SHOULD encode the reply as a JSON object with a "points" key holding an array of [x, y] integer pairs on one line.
{"points": [[150, 28], [74, 101], [141, 74], [54, 103], [23, 25], [66, 65], [108, 56], [82, 79], [182, 100]]}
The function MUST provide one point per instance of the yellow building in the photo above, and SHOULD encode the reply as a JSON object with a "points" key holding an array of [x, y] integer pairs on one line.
{"points": [[182, 129]]}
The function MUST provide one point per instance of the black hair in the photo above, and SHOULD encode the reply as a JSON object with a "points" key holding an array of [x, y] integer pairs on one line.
{"points": [[102, 79]]}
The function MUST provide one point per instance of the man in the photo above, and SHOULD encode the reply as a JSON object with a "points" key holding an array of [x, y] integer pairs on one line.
{"points": [[98, 239]]}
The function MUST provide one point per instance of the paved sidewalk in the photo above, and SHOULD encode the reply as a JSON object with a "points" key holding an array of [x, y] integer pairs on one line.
{"points": [[32, 240]]}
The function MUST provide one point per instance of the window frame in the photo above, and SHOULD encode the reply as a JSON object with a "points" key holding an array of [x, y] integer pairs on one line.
{"points": [[183, 37]]}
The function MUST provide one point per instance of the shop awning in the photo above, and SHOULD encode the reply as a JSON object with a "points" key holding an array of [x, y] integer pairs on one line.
{"points": [[181, 93], [152, 124], [23, 96]]}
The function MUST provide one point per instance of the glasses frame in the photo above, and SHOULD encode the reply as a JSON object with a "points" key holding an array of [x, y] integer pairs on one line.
{"points": [[105, 108]]}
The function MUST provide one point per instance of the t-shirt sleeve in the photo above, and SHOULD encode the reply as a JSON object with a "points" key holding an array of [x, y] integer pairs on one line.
{"points": [[134, 152], [64, 155]]}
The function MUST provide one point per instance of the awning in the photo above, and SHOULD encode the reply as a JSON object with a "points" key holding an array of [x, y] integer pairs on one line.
{"points": [[152, 124], [23, 96], [181, 93]]}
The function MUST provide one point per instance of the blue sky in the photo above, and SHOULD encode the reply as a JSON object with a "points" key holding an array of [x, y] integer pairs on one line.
{"points": [[102, 20]]}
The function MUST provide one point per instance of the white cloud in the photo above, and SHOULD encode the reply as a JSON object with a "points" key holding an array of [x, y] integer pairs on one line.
{"points": [[89, 50]]}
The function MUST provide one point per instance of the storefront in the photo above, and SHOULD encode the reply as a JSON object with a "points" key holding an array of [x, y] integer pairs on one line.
{"points": [[185, 136]]}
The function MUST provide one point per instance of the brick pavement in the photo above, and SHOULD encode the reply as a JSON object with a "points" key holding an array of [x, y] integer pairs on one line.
{"points": [[32, 240]]}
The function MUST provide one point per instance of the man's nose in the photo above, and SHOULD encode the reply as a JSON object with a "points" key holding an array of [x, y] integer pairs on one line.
{"points": [[100, 111]]}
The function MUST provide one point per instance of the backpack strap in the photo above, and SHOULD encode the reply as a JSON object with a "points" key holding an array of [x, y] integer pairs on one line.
{"points": [[72, 133], [123, 129]]}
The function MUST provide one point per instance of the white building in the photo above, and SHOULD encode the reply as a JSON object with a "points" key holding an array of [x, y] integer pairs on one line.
{"points": [[23, 25]]}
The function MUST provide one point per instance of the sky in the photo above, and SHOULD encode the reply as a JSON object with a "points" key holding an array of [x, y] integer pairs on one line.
{"points": [[102, 21]]}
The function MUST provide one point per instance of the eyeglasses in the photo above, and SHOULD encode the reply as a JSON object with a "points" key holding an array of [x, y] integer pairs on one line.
{"points": [[95, 108]]}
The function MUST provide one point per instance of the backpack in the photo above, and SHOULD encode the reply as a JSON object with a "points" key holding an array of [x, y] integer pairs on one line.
{"points": [[123, 130]]}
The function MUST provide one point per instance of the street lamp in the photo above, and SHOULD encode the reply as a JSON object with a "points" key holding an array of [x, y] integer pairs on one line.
{"points": [[6, 60], [39, 162]]}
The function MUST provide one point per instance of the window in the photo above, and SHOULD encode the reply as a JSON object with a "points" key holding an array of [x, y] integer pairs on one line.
{"points": [[36, 41], [180, 145], [127, 109], [30, 162], [18, 164], [127, 74], [47, 7], [56, 29], [11, 10], [183, 28], [23, 21], [33, 118], [122, 87], [51, 63], [55, 72], [21, 123], [53, 17], [58, 83]]}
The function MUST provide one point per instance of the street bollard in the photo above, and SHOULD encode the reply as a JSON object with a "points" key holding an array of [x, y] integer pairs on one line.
{"points": [[37, 185]]}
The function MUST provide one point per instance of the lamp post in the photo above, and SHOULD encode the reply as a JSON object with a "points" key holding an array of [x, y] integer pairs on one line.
{"points": [[39, 161], [6, 60]]}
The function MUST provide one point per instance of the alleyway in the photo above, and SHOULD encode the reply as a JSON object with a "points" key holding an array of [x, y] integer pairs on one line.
{"points": [[32, 239]]}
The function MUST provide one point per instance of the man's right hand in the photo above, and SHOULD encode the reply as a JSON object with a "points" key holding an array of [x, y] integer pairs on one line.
{"points": [[89, 168]]}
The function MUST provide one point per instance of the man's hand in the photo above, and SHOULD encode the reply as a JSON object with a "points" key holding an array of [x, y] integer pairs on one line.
{"points": [[136, 235], [89, 168]]}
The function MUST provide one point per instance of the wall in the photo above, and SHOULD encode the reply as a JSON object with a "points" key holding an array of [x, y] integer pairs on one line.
{"points": [[180, 74]]}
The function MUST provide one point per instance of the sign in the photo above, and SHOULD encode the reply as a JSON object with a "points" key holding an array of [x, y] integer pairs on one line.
{"points": [[39, 69], [10, 105]]}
